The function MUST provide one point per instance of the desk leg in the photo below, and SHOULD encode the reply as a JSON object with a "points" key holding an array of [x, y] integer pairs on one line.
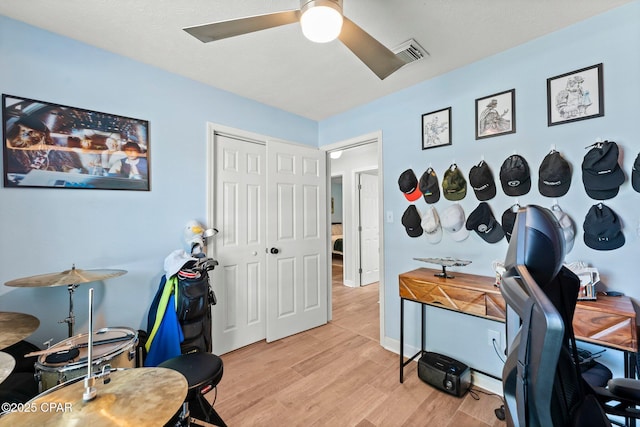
{"points": [[401, 340]]}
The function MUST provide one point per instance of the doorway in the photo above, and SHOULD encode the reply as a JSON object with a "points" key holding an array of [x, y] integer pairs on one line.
{"points": [[366, 149]]}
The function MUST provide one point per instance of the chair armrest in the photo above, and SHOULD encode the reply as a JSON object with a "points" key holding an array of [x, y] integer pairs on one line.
{"points": [[626, 388]]}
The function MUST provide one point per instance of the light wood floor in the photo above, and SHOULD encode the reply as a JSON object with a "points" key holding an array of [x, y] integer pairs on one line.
{"points": [[338, 375]]}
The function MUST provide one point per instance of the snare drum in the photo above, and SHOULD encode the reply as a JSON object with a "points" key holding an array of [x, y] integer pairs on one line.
{"points": [[111, 346]]}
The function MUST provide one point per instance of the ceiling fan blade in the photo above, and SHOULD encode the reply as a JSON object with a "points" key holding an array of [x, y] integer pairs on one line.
{"points": [[374, 54], [236, 27]]}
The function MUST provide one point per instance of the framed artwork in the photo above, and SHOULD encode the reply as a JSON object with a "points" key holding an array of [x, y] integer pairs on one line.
{"points": [[56, 146], [436, 128], [574, 96], [496, 114]]}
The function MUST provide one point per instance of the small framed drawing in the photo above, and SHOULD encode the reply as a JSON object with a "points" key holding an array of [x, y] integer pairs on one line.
{"points": [[496, 114], [574, 96], [436, 128]]}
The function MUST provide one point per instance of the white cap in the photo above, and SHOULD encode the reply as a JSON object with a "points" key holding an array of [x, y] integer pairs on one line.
{"points": [[431, 226], [567, 225], [453, 222]]}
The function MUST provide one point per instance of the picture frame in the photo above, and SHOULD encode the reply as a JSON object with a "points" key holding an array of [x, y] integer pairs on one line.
{"points": [[576, 95], [57, 146], [436, 128], [496, 114]]}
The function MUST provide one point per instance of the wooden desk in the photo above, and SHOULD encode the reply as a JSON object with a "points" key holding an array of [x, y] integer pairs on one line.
{"points": [[608, 321]]}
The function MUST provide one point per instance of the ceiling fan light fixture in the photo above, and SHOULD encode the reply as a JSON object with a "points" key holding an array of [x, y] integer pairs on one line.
{"points": [[321, 20]]}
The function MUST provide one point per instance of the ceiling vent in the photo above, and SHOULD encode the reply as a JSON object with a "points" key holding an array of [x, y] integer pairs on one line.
{"points": [[410, 51]]}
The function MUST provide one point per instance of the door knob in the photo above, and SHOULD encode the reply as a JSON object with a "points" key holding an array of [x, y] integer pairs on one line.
{"points": [[274, 250]]}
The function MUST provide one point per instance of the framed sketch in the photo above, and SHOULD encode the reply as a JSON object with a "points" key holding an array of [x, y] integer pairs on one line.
{"points": [[496, 114], [574, 96], [436, 128], [56, 146]]}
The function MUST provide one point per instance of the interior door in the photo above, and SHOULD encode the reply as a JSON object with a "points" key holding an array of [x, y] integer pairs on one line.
{"points": [[297, 237], [369, 229], [239, 318]]}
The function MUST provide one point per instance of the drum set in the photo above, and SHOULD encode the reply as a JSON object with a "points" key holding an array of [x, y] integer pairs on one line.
{"points": [[90, 378]]}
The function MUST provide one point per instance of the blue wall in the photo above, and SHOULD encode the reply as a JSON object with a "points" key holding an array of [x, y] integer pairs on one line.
{"points": [[612, 39], [45, 231]]}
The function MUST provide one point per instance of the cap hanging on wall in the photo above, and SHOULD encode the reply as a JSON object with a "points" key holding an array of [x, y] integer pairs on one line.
{"points": [[515, 176], [554, 175], [601, 173], [408, 184]]}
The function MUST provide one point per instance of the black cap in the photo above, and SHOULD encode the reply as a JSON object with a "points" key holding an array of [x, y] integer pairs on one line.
{"points": [[482, 182], [408, 184], [515, 176], [509, 220], [554, 175], [411, 220], [429, 186], [484, 223], [601, 173], [635, 175], [454, 186], [602, 229]]}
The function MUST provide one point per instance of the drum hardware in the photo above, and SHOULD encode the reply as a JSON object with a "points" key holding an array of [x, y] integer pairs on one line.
{"points": [[71, 278], [14, 327], [89, 382], [69, 346]]}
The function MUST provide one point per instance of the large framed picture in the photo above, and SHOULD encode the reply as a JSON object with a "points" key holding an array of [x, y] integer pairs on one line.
{"points": [[436, 128], [496, 114], [574, 96], [56, 146]]}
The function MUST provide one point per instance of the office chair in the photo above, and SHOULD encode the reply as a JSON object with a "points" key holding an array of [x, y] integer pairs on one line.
{"points": [[542, 382]]}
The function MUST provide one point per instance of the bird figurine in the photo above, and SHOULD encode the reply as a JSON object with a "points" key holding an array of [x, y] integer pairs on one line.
{"points": [[194, 239]]}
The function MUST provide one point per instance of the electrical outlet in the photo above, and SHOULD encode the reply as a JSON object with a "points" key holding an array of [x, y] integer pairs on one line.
{"points": [[491, 336]]}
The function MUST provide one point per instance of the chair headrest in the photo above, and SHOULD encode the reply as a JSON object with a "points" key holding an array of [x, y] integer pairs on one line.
{"points": [[537, 243]]}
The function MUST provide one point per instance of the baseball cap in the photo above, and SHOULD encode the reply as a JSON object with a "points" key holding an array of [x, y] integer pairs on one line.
{"points": [[515, 176], [602, 229], [408, 184], [482, 182], [484, 223], [431, 226], [429, 186], [452, 221], [635, 175], [454, 186], [554, 175], [601, 173], [567, 225], [411, 220], [509, 220]]}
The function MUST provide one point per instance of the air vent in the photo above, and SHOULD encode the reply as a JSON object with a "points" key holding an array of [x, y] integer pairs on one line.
{"points": [[410, 51]]}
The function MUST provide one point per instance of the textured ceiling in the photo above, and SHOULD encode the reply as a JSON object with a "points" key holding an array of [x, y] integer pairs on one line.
{"points": [[279, 67]]}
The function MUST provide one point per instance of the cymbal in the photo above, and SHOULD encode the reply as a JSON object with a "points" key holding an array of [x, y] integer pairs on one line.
{"points": [[133, 397], [7, 363], [15, 327], [68, 277]]}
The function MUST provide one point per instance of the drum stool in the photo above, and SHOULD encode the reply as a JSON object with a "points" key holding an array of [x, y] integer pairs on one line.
{"points": [[203, 372]]}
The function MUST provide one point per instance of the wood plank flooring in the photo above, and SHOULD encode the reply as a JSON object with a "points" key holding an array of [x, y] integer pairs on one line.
{"points": [[338, 375]]}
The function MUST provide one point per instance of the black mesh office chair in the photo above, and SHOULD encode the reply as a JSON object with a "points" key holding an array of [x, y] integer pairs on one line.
{"points": [[542, 383]]}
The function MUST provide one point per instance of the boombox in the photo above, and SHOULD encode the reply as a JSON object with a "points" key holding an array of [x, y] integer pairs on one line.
{"points": [[444, 373]]}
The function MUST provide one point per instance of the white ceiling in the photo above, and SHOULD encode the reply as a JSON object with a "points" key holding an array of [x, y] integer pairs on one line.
{"points": [[279, 67]]}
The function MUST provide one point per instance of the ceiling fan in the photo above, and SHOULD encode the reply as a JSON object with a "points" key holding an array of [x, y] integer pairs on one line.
{"points": [[321, 21]]}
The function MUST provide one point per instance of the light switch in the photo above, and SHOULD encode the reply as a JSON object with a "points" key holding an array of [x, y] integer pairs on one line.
{"points": [[389, 216]]}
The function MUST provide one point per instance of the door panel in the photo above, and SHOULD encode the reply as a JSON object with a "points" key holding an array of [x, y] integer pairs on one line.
{"points": [[296, 227], [369, 234], [239, 281]]}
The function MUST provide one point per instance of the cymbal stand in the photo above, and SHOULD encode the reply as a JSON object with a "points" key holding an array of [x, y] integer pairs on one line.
{"points": [[71, 320], [89, 381]]}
